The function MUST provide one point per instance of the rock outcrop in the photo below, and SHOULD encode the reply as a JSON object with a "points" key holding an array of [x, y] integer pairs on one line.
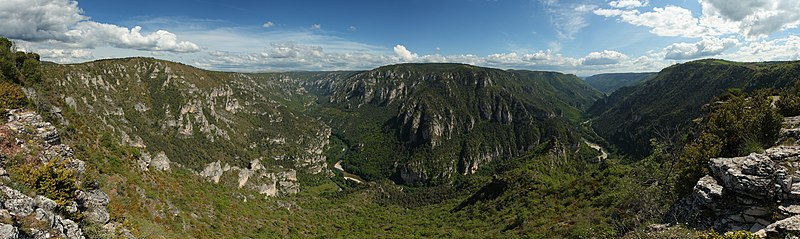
{"points": [[758, 193], [27, 135], [256, 177]]}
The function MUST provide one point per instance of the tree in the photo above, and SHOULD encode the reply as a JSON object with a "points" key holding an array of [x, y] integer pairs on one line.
{"points": [[789, 102], [736, 124], [32, 70]]}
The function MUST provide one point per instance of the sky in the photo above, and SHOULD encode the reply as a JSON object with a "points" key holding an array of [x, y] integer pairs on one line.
{"points": [[581, 37]]}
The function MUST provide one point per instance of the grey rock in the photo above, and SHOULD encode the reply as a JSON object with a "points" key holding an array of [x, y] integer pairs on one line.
{"points": [[8, 231], [51, 137], [213, 171], [160, 162], [72, 207], [46, 216], [97, 216], [71, 229], [749, 175], [93, 198], [95, 202], [746, 193], [786, 228], [16, 202], [45, 203]]}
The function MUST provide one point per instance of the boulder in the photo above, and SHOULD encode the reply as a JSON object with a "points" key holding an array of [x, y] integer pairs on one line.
{"points": [[8, 231], [45, 203], [16, 202], [745, 193], [786, 228], [94, 202], [751, 175]]}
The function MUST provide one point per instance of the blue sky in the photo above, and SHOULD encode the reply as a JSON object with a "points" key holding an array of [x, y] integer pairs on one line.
{"points": [[573, 36]]}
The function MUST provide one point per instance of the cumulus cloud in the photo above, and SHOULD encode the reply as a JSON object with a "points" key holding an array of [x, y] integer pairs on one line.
{"points": [[404, 53], [93, 34], [752, 19], [781, 49], [604, 57], [704, 48], [316, 26], [62, 21], [628, 3], [755, 18], [352, 28], [268, 24], [38, 20], [65, 55], [666, 21]]}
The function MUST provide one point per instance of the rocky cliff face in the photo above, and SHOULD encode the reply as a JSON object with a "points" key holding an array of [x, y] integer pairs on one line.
{"points": [[26, 135], [758, 192], [453, 118], [180, 116]]}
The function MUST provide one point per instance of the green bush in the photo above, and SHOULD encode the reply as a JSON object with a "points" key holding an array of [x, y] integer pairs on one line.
{"points": [[789, 103], [53, 180], [736, 124], [11, 96]]}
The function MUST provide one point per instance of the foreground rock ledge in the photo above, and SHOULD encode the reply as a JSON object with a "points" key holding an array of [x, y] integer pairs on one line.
{"points": [[758, 193]]}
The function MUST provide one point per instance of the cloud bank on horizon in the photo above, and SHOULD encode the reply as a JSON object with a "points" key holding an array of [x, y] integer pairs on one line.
{"points": [[573, 36]]}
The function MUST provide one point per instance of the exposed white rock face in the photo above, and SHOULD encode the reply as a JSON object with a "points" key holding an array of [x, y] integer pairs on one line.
{"points": [[256, 177], [213, 172], [159, 162], [173, 100]]}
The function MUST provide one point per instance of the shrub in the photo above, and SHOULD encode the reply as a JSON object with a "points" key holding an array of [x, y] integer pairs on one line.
{"points": [[11, 96], [789, 103], [736, 126], [53, 180]]}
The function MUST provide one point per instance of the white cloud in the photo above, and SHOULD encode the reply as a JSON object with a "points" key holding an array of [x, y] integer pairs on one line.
{"points": [[62, 22], [268, 24], [752, 19], [293, 56], [38, 20], [64, 55], [352, 28], [667, 21], [604, 57], [704, 48], [755, 18], [93, 34], [404, 53], [782, 49], [316, 26], [628, 3], [568, 19]]}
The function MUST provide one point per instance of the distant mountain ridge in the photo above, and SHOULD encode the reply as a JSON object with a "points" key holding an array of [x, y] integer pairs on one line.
{"points": [[415, 123], [610, 82], [452, 118], [630, 116]]}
